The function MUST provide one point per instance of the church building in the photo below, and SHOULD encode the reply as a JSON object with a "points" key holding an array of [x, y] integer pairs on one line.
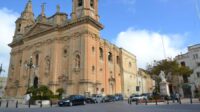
{"points": [[68, 52]]}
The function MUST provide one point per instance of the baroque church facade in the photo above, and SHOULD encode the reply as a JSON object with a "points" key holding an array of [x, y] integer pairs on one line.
{"points": [[68, 53]]}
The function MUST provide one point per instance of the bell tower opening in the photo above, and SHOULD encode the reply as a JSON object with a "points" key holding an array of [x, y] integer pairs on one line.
{"points": [[80, 3], [82, 8]]}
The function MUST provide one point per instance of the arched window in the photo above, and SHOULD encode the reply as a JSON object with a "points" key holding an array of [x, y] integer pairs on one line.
{"points": [[80, 3], [37, 59], [77, 61], [117, 59], [92, 3], [35, 82], [93, 68], [101, 53], [93, 49], [110, 56]]}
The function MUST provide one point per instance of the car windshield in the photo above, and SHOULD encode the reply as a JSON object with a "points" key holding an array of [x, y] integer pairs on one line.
{"points": [[94, 95], [70, 97]]}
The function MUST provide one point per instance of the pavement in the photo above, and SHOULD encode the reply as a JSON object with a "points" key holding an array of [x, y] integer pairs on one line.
{"points": [[110, 107]]}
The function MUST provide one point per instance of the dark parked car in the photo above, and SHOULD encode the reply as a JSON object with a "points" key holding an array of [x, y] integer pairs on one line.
{"points": [[73, 100], [119, 97], [109, 98]]}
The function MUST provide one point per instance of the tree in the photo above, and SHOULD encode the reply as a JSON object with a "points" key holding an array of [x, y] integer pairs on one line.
{"points": [[169, 67], [44, 92], [41, 93], [60, 91]]}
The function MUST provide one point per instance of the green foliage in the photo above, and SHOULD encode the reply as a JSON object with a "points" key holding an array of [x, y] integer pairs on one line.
{"points": [[168, 66], [60, 91], [41, 93]]}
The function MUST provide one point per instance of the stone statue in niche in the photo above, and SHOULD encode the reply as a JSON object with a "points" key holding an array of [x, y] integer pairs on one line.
{"points": [[47, 65], [77, 62]]}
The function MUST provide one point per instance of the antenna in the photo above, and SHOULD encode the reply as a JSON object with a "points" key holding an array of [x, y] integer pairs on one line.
{"points": [[164, 51]]}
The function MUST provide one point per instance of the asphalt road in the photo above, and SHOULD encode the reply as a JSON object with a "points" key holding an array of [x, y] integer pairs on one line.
{"points": [[112, 107]]}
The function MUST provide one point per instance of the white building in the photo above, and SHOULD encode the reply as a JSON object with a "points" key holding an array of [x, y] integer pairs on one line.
{"points": [[192, 60], [3, 81]]}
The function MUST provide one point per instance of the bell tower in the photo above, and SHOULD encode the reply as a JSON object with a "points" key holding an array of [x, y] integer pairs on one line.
{"points": [[82, 8], [25, 20]]}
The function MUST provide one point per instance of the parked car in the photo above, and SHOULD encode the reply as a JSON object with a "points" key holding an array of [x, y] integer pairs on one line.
{"points": [[90, 100], [97, 97], [136, 97], [109, 98], [119, 97], [72, 100], [146, 96]]}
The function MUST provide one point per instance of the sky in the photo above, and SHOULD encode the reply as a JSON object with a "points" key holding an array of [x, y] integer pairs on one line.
{"points": [[150, 29]]}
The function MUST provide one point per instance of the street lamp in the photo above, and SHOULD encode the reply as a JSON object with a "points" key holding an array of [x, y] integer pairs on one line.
{"points": [[1, 69], [29, 65]]}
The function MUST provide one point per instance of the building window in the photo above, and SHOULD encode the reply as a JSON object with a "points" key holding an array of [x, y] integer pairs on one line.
{"points": [[117, 59], [183, 63], [92, 3], [110, 56], [37, 59], [19, 28], [195, 56], [93, 68], [93, 49], [198, 64], [101, 53], [80, 3], [65, 52], [198, 74], [20, 62], [130, 64]]}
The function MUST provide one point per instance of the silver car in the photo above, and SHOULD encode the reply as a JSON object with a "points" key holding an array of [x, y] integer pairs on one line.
{"points": [[97, 97]]}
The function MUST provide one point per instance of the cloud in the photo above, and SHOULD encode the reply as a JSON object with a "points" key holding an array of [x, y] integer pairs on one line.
{"points": [[7, 27], [147, 45]]}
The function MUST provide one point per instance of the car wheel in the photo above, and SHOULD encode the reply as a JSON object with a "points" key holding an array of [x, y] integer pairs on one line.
{"points": [[70, 104]]}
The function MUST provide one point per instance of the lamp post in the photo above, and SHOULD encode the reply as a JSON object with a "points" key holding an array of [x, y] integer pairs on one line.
{"points": [[1, 69], [29, 65]]}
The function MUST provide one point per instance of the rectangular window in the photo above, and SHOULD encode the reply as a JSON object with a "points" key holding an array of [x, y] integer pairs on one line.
{"points": [[198, 74], [195, 56], [198, 64]]}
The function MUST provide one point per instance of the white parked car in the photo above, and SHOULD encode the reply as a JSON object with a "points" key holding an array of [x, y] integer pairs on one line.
{"points": [[97, 97], [136, 97]]}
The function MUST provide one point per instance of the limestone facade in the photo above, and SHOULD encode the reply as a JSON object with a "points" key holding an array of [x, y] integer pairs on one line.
{"points": [[145, 82], [68, 53], [191, 59]]}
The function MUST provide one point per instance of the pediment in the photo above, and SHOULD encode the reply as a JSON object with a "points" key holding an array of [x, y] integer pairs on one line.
{"points": [[38, 28]]}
